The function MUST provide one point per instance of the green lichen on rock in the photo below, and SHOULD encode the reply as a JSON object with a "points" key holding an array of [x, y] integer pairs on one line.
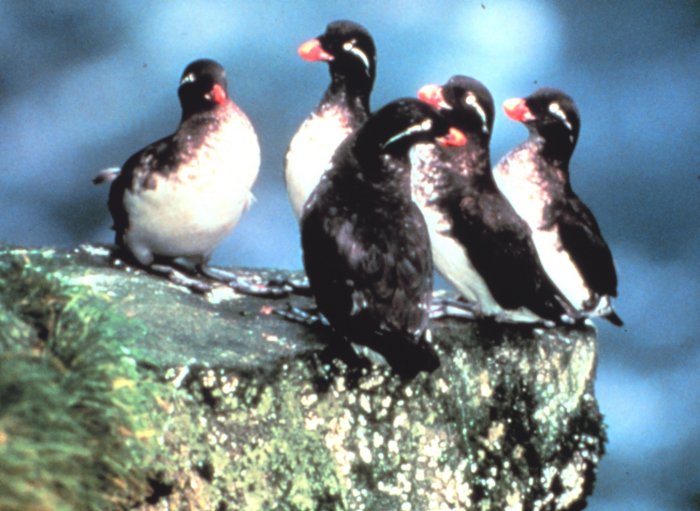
{"points": [[245, 441], [234, 408]]}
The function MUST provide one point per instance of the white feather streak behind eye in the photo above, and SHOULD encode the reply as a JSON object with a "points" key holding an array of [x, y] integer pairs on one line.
{"points": [[423, 126], [556, 109], [349, 46], [471, 101]]}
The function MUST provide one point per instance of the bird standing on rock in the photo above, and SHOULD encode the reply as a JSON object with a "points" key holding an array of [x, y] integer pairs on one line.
{"points": [[179, 197], [365, 243], [349, 50], [534, 177], [479, 242]]}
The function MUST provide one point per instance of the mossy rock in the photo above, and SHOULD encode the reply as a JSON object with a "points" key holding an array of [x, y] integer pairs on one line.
{"points": [[120, 390]]}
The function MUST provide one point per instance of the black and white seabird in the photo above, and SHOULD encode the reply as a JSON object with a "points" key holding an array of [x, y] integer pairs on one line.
{"points": [[349, 50], [179, 197], [534, 177], [479, 242], [366, 247]]}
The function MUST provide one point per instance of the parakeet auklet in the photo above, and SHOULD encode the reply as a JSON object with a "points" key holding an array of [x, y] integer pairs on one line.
{"points": [[365, 243], [349, 50], [534, 177], [179, 197]]}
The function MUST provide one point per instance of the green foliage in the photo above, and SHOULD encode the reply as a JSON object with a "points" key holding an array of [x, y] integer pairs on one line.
{"points": [[75, 431]]}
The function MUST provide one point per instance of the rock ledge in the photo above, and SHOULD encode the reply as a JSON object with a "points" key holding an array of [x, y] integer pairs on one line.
{"points": [[214, 403]]}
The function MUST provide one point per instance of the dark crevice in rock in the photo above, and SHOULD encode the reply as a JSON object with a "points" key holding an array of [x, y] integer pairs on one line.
{"points": [[159, 490]]}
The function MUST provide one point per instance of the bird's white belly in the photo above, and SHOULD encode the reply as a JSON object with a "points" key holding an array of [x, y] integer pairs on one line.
{"points": [[452, 262], [310, 153], [522, 187], [559, 266], [189, 213], [184, 221]]}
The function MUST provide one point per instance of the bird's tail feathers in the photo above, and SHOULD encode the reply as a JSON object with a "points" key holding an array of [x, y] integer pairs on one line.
{"points": [[106, 175]]}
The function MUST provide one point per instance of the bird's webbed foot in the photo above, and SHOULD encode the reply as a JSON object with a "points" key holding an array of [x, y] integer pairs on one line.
{"points": [[309, 317], [442, 308], [252, 286], [179, 277], [162, 267]]}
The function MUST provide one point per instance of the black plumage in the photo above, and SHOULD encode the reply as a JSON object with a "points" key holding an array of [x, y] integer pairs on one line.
{"points": [[479, 242], [535, 178], [365, 244]]}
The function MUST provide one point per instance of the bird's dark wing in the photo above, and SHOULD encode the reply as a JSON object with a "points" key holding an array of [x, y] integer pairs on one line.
{"points": [[366, 279], [137, 173], [582, 239], [120, 217], [327, 272], [499, 246], [401, 280], [377, 292]]}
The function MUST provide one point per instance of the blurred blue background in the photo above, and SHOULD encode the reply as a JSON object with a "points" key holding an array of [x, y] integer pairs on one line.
{"points": [[85, 84]]}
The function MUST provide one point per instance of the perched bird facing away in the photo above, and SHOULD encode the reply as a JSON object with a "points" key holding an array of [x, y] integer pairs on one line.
{"points": [[180, 196], [534, 177], [349, 51], [365, 243], [479, 242]]}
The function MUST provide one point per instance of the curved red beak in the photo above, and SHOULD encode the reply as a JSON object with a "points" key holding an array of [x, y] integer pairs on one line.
{"points": [[454, 138], [516, 109], [217, 94], [312, 51], [432, 94]]}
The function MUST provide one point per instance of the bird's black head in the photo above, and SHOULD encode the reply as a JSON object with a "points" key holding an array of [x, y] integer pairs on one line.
{"points": [[549, 113], [465, 102], [349, 50], [203, 86], [399, 125]]}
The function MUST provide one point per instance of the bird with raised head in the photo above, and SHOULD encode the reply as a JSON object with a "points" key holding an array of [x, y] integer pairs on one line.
{"points": [[534, 177], [349, 50]]}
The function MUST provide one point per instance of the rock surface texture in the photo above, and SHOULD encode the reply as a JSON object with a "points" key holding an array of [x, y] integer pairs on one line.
{"points": [[215, 403]]}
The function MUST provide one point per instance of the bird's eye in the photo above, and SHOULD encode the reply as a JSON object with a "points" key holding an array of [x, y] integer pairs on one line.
{"points": [[471, 101], [190, 77], [556, 109]]}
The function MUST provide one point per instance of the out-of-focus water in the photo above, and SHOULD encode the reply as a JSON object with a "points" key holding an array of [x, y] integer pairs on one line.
{"points": [[85, 84]]}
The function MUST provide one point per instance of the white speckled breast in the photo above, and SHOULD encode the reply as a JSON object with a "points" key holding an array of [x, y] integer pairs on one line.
{"points": [[449, 256], [189, 212], [523, 186], [310, 152]]}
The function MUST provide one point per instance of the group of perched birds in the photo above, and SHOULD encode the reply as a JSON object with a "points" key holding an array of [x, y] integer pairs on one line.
{"points": [[382, 198]]}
